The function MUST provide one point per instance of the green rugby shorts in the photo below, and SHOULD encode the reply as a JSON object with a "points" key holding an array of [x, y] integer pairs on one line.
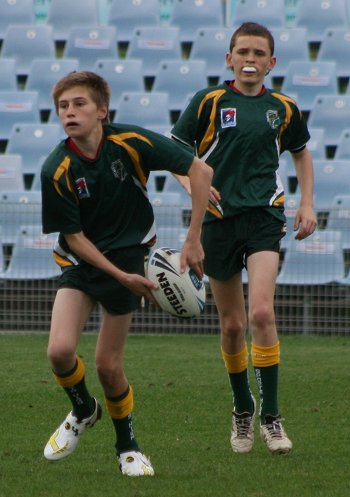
{"points": [[115, 298], [228, 242]]}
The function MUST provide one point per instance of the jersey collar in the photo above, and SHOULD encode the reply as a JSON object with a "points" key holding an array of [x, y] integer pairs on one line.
{"points": [[233, 88]]}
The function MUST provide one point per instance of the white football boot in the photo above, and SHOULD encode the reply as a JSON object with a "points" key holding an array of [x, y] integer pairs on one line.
{"points": [[65, 439], [242, 434], [135, 463], [274, 435]]}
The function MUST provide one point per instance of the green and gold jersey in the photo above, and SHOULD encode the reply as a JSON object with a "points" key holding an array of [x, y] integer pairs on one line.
{"points": [[242, 137], [106, 198]]}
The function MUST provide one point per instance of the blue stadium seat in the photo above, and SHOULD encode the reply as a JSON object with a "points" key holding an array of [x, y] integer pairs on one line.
{"points": [[308, 79], [15, 12], [87, 44], [317, 260], [167, 209], [18, 208], [171, 236], [269, 12], [180, 78], [44, 73], [64, 14], [8, 79], [153, 44], [192, 15], [317, 16], [32, 256], [317, 143], [11, 175], [33, 141], [132, 15], [331, 178], [144, 109], [26, 42], [343, 148], [332, 113], [290, 44], [17, 106], [336, 47], [211, 44], [122, 75], [339, 218]]}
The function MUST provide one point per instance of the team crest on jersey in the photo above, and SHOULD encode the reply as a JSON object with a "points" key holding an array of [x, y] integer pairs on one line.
{"points": [[83, 191], [228, 118], [119, 170], [273, 118]]}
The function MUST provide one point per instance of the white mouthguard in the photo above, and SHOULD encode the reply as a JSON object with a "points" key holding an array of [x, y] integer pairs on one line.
{"points": [[249, 69]]}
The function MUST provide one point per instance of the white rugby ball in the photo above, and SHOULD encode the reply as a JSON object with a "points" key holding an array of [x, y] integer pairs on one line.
{"points": [[179, 294]]}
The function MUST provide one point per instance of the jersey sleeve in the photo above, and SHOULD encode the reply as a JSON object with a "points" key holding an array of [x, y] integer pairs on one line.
{"points": [[60, 209], [296, 134]]}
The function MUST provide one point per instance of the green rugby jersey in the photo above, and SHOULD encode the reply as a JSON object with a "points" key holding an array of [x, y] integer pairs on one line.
{"points": [[107, 198], [241, 138]]}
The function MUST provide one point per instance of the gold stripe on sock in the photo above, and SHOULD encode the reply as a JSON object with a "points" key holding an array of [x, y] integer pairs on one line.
{"points": [[236, 363], [263, 357], [74, 378], [121, 408]]}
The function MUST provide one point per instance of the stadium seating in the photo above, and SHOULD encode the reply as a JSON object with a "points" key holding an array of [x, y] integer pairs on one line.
{"points": [[87, 44], [339, 218], [8, 79], [308, 79], [180, 78], [316, 260], [167, 209], [33, 141], [15, 12], [317, 15], [331, 178], [269, 13], [63, 14], [343, 147], [26, 42], [16, 209], [17, 106], [317, 144], [122, 75], [11, 175], [153, 44], [290, 44], [211, 44], [32, 256], [42, 76], [132, 15], [144, 109], [332, 113], [336, 47], [192, 15]]}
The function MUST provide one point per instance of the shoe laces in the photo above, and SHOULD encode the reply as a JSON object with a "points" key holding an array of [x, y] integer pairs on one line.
{"points": [[274, 427], [242, 424]]}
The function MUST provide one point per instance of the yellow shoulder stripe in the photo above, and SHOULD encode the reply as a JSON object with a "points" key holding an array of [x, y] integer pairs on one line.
{"points": [[210, 132], [63, 169], [120, 139]]}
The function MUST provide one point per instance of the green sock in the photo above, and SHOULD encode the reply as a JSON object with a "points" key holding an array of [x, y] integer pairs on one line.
{"points": [[82, 402], [267, 381], [125, 434], [242, 395]]}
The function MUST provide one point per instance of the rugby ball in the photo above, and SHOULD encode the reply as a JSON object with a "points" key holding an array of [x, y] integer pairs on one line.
{"points": [[179, 294]]}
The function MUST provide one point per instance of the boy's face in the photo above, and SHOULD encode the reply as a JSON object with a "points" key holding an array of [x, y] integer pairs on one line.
{"points": [[251, 59], [78, 112]]}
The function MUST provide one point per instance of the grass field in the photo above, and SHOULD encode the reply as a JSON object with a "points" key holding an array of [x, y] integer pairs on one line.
{"points": [[182, 420]]}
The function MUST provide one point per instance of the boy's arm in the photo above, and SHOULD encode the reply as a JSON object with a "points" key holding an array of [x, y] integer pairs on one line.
{"points": [[305, 218], [200, 176]]}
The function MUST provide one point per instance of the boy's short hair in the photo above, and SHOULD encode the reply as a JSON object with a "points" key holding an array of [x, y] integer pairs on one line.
{"points": [[253, 29], [98, 88]]}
